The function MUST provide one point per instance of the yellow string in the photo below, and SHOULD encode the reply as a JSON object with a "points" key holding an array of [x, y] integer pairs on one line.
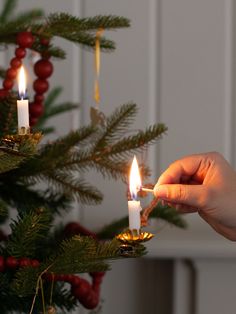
{"points": [[97, 66], [52, 287], [42, 295]]}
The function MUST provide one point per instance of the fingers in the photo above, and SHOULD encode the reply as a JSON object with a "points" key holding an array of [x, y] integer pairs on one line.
{"points": [[181, 170], [195, 196]]}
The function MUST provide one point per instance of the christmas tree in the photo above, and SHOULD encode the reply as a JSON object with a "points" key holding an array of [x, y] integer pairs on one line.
{"points": [[41, 259]]}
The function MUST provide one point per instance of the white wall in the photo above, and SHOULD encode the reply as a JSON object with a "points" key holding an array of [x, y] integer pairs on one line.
{"points": [[177, 63]]}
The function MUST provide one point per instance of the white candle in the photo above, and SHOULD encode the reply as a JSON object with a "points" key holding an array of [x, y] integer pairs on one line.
{"points": [[22, 105], [134, 215], [134, 205]]}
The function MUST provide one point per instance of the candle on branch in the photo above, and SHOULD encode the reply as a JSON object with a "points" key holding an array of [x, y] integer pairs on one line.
{"points": [[134, 205], [22, 105]]}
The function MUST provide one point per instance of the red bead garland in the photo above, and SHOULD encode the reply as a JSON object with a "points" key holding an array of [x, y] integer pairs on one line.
{"points": [[43, 69]]}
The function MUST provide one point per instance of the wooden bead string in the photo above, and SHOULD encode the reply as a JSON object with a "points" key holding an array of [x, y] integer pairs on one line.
{"points": [[43, 69]]}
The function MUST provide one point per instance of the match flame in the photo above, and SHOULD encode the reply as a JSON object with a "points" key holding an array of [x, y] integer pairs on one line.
{"points": [[134, 179], [22, 82]]}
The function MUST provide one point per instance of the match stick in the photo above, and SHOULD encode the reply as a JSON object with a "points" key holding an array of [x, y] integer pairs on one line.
{"points": [[147, 190]]}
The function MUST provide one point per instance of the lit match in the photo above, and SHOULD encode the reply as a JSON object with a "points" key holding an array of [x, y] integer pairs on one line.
{"points": [[147, 190]]}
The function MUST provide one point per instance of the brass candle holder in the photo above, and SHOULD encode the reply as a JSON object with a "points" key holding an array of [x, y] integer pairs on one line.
{"points": [[24, 130], [131, 239], [134, 237]]}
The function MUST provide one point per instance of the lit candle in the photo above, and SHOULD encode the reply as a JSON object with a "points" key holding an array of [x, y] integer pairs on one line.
{"points": [[22, 105], [134, 205]]}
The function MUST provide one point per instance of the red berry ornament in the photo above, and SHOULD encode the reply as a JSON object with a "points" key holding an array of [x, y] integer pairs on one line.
{"points": [[25, 39], [36, 110], [15, 63], [40, 86], [11, 73], [8, 84], [24, 262], [91, 300], [11, 262], [2, 264], [20, 53], [80, 291], [43, 68]]}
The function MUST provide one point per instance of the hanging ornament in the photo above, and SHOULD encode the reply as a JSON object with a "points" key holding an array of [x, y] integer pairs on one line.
{"points": [[97, 117], [51, 310]]}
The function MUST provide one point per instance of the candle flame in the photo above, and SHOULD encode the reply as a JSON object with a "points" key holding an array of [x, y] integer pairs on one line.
{"points": [[22, 82], [134, 179]]}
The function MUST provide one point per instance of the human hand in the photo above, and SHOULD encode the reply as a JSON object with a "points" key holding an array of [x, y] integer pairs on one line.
{"points": [[203, 183]]}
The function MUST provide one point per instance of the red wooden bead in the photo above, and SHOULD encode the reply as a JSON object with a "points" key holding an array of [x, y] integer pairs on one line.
{"points": [[2, 264], [16, 63], [75, 281], [3, 93], [44, 41], [70, 278], [91, 300], [43, 68], [24, 262], [20, 52], [40, 86], [8, 84], [11, 73], [81, 290], [33, 121], [60, 277], [11, 262], [34, 263], [38, 98], [97, 274], [25, 39], [36, 110]]}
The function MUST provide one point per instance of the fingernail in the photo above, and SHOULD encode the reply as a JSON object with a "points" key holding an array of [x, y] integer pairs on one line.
{"points": [[160, 191]]}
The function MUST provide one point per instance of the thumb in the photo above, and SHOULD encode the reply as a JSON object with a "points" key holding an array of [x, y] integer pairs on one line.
{"points": [[192, 195]]}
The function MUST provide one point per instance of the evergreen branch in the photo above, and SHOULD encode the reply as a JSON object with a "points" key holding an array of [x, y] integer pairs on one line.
{"points": [[52, 96], [22, 197], [2, 72], [117, 124], [54, 51], [28, 17], [8, 8], [59, 109], [56, 21], [86, 39], [9, 160], [83, 254], [53, 155], [27, 231], [168, 214], [75, 188], [8, 117], [111, 230], [128, 145]]}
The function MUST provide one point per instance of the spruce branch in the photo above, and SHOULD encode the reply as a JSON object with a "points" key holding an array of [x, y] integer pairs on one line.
{"points": [[22, 197], [75, 188], [8, 8], [57, 20], [83, 254], [130, 144], [117, 124], [168, 214], [27, 231]]}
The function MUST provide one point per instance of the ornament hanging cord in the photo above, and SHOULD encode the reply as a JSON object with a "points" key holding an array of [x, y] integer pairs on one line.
{"points": [[97, 66]]}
